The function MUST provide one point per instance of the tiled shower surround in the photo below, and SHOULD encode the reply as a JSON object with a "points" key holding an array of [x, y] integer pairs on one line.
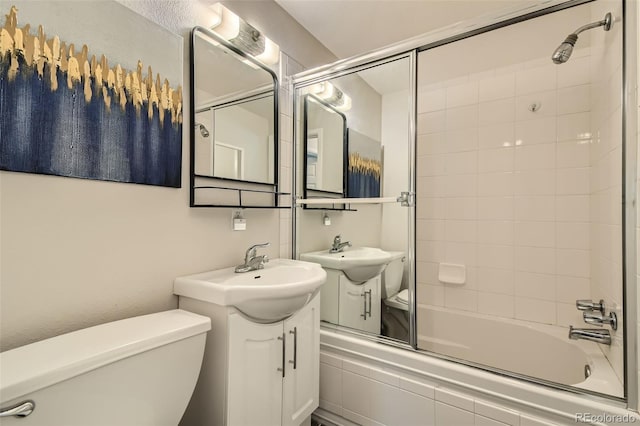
{"points": [[503, 188], [520, 180]]}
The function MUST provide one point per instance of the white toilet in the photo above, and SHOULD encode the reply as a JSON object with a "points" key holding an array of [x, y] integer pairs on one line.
{"points": [[391, 282], [139, 371], [395, 315]]}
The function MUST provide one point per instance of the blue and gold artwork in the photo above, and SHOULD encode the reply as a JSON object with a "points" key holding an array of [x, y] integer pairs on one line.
{"points": [[365, 166], [66, 112]]}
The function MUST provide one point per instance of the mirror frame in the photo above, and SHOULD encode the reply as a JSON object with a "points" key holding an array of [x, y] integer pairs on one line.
{"points": [[226, 102], [345, 153]]}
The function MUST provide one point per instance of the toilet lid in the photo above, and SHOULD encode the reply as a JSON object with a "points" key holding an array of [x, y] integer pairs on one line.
{"points": [[403, 296]]}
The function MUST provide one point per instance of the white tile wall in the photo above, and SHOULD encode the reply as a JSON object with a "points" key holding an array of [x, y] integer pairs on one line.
{"points": [[372, 396], [506, 191]]}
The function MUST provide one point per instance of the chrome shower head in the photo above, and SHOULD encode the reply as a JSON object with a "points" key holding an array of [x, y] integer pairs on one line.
{"points": [[563, 52], [203, 130]]}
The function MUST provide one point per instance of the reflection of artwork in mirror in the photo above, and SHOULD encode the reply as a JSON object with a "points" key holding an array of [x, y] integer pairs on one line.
{"points": [[235, 113], [324, 149], [365, 166], [232, 141]]}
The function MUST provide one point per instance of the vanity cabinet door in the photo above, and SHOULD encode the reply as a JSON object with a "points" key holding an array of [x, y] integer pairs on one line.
{"points": [[254, 381], [360, 304], [302, 380]]}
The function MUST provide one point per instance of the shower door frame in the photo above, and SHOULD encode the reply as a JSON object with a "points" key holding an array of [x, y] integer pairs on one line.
{"points": [[460, 31]]}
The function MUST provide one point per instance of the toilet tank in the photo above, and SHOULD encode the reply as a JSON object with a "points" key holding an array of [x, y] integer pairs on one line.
{"points": [[392, 275], [133, 372]]}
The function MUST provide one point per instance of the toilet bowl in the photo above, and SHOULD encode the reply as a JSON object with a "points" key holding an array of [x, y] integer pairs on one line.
{"points": [[138, 371], [392, 296]]}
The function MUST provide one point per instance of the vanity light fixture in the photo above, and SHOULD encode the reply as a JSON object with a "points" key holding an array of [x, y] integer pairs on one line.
{"points": [[244, 36], [332, 95]]}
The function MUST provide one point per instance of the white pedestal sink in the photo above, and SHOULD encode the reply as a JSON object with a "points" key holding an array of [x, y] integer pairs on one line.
{"points": [[271, 294], [359, 264]]}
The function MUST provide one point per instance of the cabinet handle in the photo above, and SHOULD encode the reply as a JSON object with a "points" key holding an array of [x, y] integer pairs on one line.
{"points": [[369, 311], [283, 354], [21, 410], [295, 347], [364, 299]]}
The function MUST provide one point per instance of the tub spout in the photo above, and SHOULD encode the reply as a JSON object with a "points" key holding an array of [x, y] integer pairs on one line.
{"points": [[592, 334]]}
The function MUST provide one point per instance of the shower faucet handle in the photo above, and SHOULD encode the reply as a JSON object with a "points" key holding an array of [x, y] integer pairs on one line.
{"points": [[600, 319], [590, 305]]}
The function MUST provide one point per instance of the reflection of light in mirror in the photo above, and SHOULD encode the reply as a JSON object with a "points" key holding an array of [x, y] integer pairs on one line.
{"points": [[345, 104], [586, 135], [506, 144], [519, 142], [323, 90], [332, 95]]}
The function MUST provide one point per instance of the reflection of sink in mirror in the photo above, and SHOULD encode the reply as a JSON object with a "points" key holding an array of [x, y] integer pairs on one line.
{"points": [[351, 296], [359, 264], [266, 295]]}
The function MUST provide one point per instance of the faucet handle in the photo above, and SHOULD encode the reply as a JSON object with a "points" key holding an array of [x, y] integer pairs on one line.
{"points": [[255, 246], [337, 239], [251, 251], [599, 319], [590, 305]]}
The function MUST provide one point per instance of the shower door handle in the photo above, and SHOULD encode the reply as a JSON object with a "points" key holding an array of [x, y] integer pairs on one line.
{"points": [[21, 410]]}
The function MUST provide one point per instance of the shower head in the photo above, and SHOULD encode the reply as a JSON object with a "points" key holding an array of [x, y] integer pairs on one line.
{"points": [[563, 52], [203, 130]]}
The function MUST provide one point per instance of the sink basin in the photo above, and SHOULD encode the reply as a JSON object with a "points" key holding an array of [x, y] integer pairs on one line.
{"points": [[266, 295], [359, 264]]}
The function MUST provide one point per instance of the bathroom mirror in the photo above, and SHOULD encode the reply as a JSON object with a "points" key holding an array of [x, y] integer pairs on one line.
{"points": [[375, 101], [234, 112], [325, 149]]}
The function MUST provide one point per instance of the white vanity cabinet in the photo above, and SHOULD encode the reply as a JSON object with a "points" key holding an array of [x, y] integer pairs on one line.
{"points": [[360, 304], [257, 374]]}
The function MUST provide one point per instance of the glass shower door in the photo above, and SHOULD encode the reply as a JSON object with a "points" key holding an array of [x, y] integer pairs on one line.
{"points": [[519, 200]]}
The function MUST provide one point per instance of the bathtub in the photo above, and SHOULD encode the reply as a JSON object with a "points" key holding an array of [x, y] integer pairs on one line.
{"points": [[533, 350], [507, 346]]}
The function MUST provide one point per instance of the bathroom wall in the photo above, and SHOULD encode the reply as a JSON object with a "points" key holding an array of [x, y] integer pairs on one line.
{"points": [[606, 173], [75, 253]]}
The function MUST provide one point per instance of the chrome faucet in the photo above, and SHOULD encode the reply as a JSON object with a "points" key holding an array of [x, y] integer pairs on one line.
{"points": [[598, 319], [338, 245], [251, 261], [591, 306], [592, 334]]}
